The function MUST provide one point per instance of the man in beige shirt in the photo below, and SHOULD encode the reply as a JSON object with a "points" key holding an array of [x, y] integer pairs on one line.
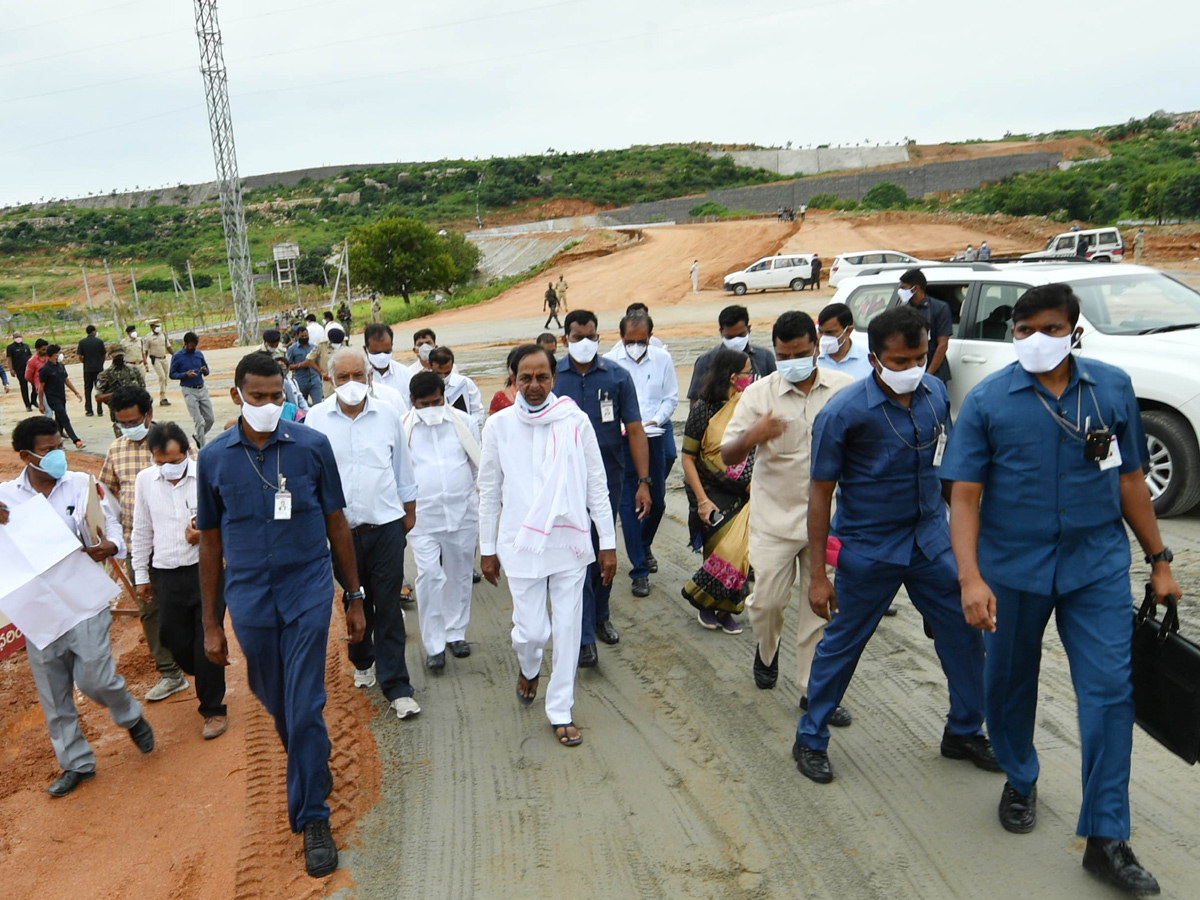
{"points": [[159, 350], [776, 416], [135, 348]]}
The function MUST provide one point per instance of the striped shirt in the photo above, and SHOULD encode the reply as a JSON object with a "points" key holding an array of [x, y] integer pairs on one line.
{"points": [[161, 514], [124, 460]]}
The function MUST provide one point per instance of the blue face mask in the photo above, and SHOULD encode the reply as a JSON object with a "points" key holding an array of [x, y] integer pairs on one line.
{"points": [[524, 404], [795, 370], [53, 464]]}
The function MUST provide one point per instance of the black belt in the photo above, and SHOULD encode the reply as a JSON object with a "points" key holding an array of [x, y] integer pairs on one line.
{"points": [[367, 527]]}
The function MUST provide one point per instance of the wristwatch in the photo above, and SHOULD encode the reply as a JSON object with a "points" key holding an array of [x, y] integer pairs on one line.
{"points": [[351, 596], [1165, 555], [646, 480]]}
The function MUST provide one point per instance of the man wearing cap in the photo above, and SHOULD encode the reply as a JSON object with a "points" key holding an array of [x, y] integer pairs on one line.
{"points": [[937, 314], [135, 348], [112, 378], [159, 349], [270, 344], [321, 354]]}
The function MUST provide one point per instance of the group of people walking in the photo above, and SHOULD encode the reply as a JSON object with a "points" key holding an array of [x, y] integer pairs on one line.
{"points": [[275, 509]]}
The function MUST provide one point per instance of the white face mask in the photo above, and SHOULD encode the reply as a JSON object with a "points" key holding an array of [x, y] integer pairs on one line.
{"points": [[351, 393], [136, 432], [635, 351], [431, 415], [795, 370], [423, 352], [133, 335], [583, 351], [18, 340], [335, 344], [380, 360], [1041, 353], [736, 343], [831, 344], [906, 294], [903, 382], [61, 357], [263, 419], [173, 471], [154, 328]]}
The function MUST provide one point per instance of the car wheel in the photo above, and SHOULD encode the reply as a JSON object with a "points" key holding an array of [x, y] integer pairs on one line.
{"points": [[1101, 259], [797, 284], [1173, 473], [739, 289]]}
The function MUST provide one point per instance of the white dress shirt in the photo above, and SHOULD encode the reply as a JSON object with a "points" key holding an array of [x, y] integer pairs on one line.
{"points": [[316, 333], [372, 457], [510, 477], [394, 376], [462, 386], [416, 367], [446, 496], [391, 396], [69, 499], [161, 513], [655, 382]]}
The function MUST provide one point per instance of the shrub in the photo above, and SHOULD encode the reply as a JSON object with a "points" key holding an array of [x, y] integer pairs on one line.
{"points": [[885, 195], [708, 208]]}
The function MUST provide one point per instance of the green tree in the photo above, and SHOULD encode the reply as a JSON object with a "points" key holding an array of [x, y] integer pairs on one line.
{"points": [[1182, 194], [399, 256], [310, 268], [464, 254], [885, 195]]}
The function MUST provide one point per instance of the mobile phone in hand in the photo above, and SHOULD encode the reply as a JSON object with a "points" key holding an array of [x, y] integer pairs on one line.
{"points": [[716, 517]]}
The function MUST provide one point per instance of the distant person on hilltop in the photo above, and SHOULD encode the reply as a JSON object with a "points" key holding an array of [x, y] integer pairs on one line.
{"points": [[551, 304], [561, 289], [695, 276], [970, 255], [803, 211], [985, 252], [1139, 245]]}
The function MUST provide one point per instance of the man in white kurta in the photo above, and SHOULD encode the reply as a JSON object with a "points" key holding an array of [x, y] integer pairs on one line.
{"points": [[444, 446], [541, 477]]}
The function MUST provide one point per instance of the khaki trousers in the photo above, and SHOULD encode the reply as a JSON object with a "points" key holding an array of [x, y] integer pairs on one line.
{"points": [[159, 364], [774, 561]]}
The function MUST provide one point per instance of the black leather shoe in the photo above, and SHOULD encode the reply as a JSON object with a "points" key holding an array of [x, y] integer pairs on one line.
{"points": [[476, 577], [892, 610], [1018, 813], [588, 658], [812, 764], [67, 782], [765, 676], [641, 587], [1115, 863], [651, 563], [974, 747], [320, 852], [839, 718], [460, 649], [142, 735], [607, 633], [328, 781], [436, 662]]}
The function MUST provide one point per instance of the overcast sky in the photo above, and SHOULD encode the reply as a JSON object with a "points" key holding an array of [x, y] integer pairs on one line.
{"points": [[101, 94]]}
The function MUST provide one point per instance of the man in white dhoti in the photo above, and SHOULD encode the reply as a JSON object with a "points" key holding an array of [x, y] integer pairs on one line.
{"points": [[83, 655], [540, 478], [444, 446]]}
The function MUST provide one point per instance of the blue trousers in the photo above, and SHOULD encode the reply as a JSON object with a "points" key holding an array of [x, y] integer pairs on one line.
{"points": [[639, 533], [285, 666], [1096, 630], [595, 592], [865, 589]]}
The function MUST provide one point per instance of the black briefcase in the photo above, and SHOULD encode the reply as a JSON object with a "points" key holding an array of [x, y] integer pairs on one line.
{"points": [[1166, 679]]}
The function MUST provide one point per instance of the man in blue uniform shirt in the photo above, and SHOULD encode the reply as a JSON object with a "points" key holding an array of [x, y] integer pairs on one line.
{"points": [[268, 497], [604, 391], [1046, 463], [881, 440]]}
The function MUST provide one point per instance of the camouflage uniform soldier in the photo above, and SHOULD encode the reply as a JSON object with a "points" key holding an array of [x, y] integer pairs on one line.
{"points": [[113, 377]]}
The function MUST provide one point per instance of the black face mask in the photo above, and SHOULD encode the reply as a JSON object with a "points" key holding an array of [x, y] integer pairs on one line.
{"points": [[119, 363], [303, 342]]}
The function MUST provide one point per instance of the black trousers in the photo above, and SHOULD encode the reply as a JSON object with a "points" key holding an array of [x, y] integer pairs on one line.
{"points": [[89, 382], [181, 629], [380, 557], [552, 317], [59, 408], [26, 391]]}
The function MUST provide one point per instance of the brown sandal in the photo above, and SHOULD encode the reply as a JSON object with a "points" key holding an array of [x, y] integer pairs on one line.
{"points": [[531, 684], [563, 738]]}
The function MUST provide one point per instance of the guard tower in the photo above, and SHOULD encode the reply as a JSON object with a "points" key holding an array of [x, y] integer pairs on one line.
{"points": [[285, 265]]}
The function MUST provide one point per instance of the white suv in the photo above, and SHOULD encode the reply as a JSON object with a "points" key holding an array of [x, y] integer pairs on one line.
{"points": [[847, 264], [791, 271], [1134, 317], [1096, 244]]}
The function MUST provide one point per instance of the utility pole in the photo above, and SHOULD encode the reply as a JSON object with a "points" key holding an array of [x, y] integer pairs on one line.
{"points": [[112, 298], [220, 125], [133, 280], [87, 293]]}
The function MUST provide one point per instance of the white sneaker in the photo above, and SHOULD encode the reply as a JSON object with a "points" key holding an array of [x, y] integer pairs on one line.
{"points": [[364, 678], [166, 687], [405, 707]]}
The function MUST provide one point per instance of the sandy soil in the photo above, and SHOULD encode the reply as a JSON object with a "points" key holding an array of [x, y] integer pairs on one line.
{"points": [[196, 820]]}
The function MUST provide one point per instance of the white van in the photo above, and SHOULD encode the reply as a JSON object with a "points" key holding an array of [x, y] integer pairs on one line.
{"points": [[790, 271], [1096, 244]]}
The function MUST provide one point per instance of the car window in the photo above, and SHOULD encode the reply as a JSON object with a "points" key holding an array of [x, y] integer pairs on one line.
{"points": [[799, 261], [894, 258], [783, 262], [1136, 304], [993, 316], [873, 259], [1107, 237], [952, 294], [1066, 243], [853, 260], [760, 266], [869, 301]]}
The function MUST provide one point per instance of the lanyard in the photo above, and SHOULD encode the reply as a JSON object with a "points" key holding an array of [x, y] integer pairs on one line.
{"points": [[257, 471], [1077, 429], [938, 430]]}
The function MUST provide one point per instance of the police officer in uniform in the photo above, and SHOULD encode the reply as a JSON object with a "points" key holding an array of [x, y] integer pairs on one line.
{"points": [[1046, 461]]}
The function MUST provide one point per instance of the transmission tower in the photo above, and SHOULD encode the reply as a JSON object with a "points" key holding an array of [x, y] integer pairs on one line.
{"points": [[220, 124]]}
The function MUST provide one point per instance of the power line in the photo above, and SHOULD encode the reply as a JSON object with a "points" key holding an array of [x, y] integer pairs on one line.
{"points": [[72, 17]]}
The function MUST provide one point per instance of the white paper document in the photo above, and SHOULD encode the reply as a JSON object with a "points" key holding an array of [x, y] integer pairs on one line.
{"points": [[48, 585]]}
